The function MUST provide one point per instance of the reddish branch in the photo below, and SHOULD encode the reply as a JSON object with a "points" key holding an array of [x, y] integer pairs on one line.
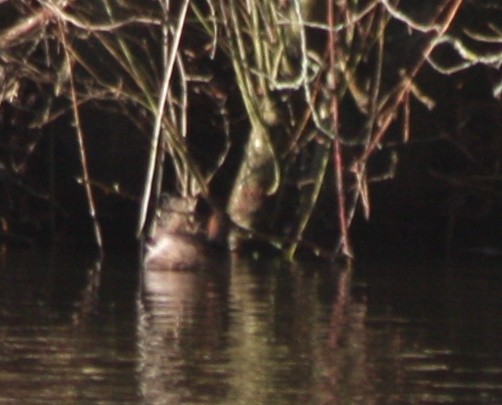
{"points": [[405, 86], [337, 147]]}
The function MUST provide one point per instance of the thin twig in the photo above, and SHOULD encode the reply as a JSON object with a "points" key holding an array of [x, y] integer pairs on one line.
{"points": [[337, 147], [81, 143], [389, 113]]}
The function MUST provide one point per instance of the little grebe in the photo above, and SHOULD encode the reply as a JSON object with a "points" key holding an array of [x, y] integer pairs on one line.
{"points": [[177, 243]]}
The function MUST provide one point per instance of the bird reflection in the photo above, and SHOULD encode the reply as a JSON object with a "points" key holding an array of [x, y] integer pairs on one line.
{"points": [[263, 332]]}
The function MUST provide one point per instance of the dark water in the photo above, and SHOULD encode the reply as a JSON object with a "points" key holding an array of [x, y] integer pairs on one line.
{"points": [[264, 333]]}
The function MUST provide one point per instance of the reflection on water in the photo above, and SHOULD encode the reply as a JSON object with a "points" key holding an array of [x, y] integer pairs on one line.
{"points": [[47, 354], [247, 333], [255, 335]]}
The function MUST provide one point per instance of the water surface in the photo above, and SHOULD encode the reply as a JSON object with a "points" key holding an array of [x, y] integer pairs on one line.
{"points": [[255, 332]]}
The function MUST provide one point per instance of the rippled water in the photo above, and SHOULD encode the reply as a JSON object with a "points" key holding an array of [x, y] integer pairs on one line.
{"points": [[252, 333]]}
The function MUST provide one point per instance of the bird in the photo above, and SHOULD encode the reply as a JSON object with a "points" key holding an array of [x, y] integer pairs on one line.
{"points": [[185, 247]]}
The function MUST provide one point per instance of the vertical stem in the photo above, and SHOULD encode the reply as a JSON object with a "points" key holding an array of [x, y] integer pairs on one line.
{"points": [[52, 186], [340, 190], [321, 163], [337, 147], [81, 143], [158, 119]]}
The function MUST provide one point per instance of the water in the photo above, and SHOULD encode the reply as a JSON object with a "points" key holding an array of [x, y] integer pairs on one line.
{"points": [[263, 333]]}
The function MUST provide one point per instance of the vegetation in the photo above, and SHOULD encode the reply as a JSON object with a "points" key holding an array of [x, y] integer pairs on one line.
{"points": [[282, 113]]}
